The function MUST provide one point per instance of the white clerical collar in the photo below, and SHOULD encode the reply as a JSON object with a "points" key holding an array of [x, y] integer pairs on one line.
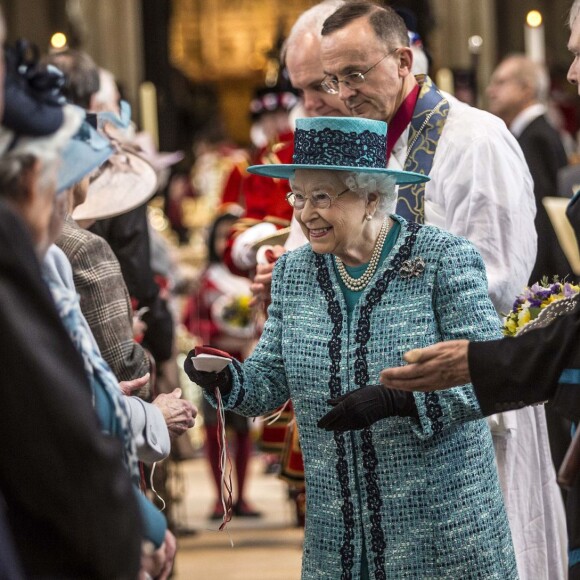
{"points": [[523, 119]]}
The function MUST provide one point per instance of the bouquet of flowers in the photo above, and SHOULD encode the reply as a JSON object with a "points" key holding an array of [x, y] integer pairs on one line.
{"points": [[233, 315], [533, 300]]}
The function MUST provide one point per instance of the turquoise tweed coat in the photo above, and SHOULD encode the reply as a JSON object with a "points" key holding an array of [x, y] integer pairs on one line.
{"points": [[422, 494]]}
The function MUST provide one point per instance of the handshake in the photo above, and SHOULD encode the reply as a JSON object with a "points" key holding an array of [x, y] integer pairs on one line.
{"points": [[208, 368]]}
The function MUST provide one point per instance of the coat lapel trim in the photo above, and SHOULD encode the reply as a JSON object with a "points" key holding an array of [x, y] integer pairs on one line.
{"points": [[370, 461], [334, 384], [361, 379]]}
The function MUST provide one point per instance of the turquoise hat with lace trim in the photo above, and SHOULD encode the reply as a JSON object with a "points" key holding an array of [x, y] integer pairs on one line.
{"points": [[339, 144]]}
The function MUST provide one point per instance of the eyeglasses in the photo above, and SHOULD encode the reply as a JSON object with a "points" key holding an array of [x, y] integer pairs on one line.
{"points": [[330, 85], [319, 199]]}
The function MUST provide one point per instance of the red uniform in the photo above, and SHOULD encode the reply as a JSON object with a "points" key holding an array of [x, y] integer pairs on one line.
{"points": [[263, 198]]}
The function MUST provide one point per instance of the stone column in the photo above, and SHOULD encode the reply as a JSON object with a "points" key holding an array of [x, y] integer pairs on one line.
{"points": [[112, 35], [456, 21]]}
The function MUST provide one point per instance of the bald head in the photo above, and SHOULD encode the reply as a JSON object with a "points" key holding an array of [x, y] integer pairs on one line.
{"points": [[574, 12], [574, 45], [309, 23], [516, 84], [301, 54]]}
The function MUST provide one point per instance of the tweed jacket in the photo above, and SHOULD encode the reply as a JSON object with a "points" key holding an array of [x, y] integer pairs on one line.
{"points": [[422, 494], [104, 301]]}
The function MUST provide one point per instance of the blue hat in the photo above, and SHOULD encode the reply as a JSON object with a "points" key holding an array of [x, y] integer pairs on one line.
{"points": [[339, 144], [86, 151], [33, 101], [121, 121]]}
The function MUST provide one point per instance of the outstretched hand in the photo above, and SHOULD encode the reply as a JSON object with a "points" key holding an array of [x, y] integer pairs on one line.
{"points": [[129, 387], [179, 414], [262, 283], [437, 367]]}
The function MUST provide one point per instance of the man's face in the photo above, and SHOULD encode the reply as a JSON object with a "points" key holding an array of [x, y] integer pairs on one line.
{"points": [[574, 48], [356, 48], [305, 71], [506, 95]]}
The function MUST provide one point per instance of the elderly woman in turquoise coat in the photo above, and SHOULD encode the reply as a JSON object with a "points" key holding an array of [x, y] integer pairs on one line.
{"points": [[399, 485]]}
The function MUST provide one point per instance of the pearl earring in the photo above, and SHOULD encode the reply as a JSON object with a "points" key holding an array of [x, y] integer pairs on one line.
{"points": [[369, 217]]}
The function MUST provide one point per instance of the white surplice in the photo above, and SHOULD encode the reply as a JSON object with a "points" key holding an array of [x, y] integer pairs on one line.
{"points": [[481, 189]]}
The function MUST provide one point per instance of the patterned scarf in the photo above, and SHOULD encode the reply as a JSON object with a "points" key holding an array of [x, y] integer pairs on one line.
{"points": [[426, 127], [99, 373]]}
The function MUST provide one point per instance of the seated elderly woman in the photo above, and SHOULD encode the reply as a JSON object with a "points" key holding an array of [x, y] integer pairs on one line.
{"points": [[398, 486]]}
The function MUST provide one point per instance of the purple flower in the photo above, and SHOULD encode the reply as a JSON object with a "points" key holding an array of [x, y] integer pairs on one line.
{"points": [[543, 294], [569, 291]]}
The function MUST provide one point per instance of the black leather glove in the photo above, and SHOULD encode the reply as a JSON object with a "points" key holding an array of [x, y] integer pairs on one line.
{"points": [[207, 380], [365, 406]]}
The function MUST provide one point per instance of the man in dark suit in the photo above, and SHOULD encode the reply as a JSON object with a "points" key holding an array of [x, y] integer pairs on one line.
{"points": [[517, 93]]}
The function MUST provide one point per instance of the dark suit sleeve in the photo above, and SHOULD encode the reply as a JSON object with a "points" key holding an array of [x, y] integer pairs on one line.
{"points": [[573, 214], [515, 372], [70, 503]]}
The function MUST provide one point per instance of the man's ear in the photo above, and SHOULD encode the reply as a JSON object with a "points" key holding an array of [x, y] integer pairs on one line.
{"points": [[30, 183], [405, 55], [528, 92]]}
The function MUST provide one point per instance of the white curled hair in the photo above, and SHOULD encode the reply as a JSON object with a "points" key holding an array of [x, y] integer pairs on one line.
{"points": [[365, 183]]}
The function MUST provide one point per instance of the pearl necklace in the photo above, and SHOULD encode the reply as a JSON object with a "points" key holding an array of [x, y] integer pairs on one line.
{"points": [[358, 284]]}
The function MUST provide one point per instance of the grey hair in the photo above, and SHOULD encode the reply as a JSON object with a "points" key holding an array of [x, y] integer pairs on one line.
{"points": [[310, 22], [365, 183], [574, 11], [81, 75]]}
